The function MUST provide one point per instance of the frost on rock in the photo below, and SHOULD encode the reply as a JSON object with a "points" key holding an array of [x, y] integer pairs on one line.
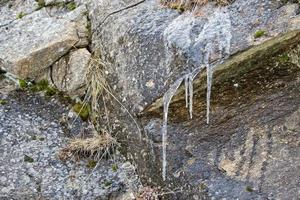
{"points": [[214, 38]]}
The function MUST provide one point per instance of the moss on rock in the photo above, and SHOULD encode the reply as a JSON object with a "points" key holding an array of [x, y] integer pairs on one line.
{"points": [[28, 159], [83, 110]]}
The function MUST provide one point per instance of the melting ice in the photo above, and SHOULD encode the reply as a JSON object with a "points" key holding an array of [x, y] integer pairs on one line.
{"points": [[215, 32]]}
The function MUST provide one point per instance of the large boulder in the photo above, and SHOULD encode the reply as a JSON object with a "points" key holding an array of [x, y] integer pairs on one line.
{"points": [[32, 43], [148, 43], [249, 150], [68, 74]]}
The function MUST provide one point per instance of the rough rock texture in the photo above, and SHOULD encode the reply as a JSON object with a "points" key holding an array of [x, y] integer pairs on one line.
{"points": [[36, 41], [247, 151], [148, 47], [51, 2], [11, 9], [250, 148], [68, 74], [31, 134]]}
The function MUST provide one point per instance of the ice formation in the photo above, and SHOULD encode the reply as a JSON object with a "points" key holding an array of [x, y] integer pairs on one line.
{"points": [[215, 37]]}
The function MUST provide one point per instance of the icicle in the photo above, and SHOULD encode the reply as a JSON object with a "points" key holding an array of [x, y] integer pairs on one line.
{"points": [[166, 102], [164, 138], [186, 85], [191, 94], [208, 93], [197, 71]]}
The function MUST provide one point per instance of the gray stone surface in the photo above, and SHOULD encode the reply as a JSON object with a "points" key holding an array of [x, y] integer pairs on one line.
{"points": [[148, 43], [250, 149], [239, 155], [68, 74], [51, 2], [31, 135], [9, 10], [36, 41]]}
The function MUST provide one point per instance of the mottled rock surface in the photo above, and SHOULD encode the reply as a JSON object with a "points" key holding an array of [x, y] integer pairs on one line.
{"points": [[241, 153], [35, 41], [31, 134], [148, 47], [9, 10], [68, 74], [250, 148]]}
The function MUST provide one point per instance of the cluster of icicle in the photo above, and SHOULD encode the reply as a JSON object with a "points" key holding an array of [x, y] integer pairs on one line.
{"points": [[188, 82], [215, 31]]}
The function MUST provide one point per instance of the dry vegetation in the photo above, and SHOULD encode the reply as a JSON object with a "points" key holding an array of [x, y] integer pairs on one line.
{"points": [[183, 5], [102, 143], [95, 147]]}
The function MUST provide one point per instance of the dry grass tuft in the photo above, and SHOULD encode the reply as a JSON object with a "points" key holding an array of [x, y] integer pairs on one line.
{"points": [[148, 193], [154, 193], [95, 147], [98, 88], [100, 145], [96, 82], [183, 5]]}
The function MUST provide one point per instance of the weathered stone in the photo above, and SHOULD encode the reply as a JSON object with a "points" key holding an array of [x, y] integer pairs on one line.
{"points": [[148, 40], [35, 42], [53, 2], [148, 47], [68, 74], [38, 127], [12, 10]]}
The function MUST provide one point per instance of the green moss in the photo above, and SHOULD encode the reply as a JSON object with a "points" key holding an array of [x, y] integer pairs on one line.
{"points": [[23, 84], [43, 85], [71, 6], [20, 15], [34, 137], [50, 91], [91, 164], [249, 189], [89, 30], [41, 4], [28, 159], [114, 167], [108, 183], [202, 187], [259, 33], [82, 110], [178, 6], [3, 102], [67, 98], [40, 86], [283, 58]]}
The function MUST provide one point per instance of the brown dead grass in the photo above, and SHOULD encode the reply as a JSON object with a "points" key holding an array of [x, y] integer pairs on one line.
{"points": [[95, 147], [183, 5]]}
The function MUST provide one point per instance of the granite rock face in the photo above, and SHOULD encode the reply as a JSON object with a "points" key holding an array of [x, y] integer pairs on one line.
{"points": [[33, 129], [11, 9], [68, 74], [33, 42], [252, 48], [150, 45], [250, 148]]}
